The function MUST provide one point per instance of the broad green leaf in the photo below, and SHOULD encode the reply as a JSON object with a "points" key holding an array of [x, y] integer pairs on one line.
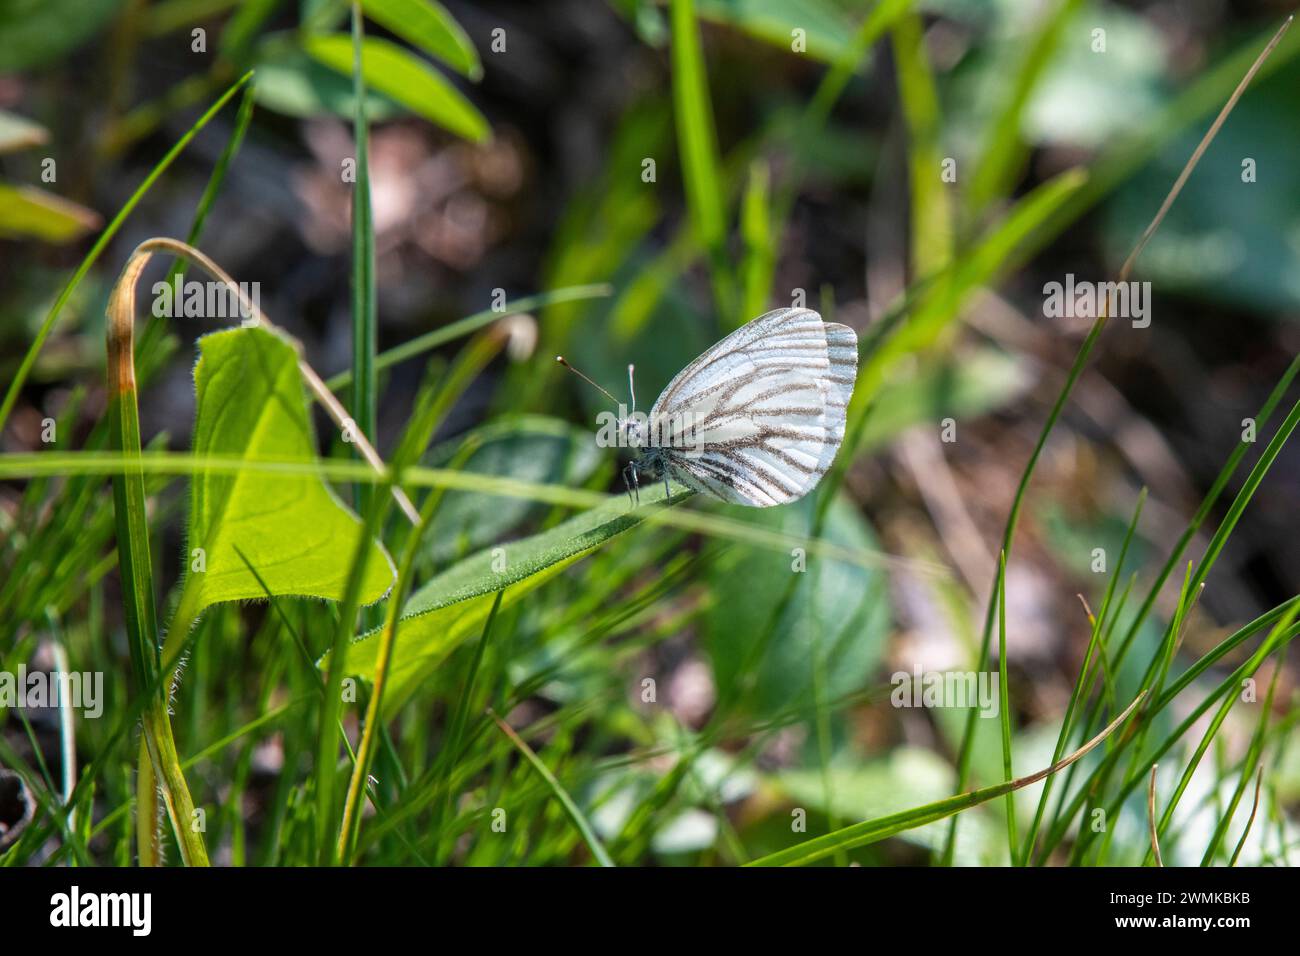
{"points": [[961, 387], [290, 82], [646, 18], [18, 132], [35, 32], [293, 530], [454, 605], [824, 35], [427, 25], [771, 622], [1074, 94], [527, 447], [1234, 235], [906, 777], [1087, 97], [26, 211], [406, 78]]}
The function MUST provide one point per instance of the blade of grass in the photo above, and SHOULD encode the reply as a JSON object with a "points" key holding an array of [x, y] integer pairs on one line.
{"points": [[931, 218], [699, 152], [104, 756], [221, 743], [1254, 808], [137, 575], [24, 464], [365, 334], [67, 725], [1187, 598], [451, 748], [1226, 688], [1151, 817], [883, 16], [435, 399], [1253, 757], [575, 815], [472, 323], [60, 810], [1272, 643], [318, 682], [1005, 704], [1004, 148], [328, 732], [1095, 649], [759, 260]]}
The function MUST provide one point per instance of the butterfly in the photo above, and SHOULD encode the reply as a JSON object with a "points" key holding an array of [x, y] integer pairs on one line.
{"points": [[755, 420]]}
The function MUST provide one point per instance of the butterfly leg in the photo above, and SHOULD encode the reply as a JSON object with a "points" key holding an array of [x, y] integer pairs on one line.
{"points": [[667, 492], [627, 485], [636, 483]]}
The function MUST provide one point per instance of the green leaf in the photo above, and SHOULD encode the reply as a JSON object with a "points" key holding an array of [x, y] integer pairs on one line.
{"points": [[26, 211], [290, 82], [906, 777], [293, 530], [827, 35], [406, 78], [35, 32], [531, 448], [1231, 238], [833, 612], [430, 27], [455, 604], [961, 387]]}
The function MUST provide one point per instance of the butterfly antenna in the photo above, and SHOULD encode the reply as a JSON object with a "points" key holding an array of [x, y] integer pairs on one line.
{"points": [[565, 362], [631, 387]]}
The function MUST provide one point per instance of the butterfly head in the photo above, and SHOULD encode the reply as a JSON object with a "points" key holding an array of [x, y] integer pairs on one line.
{"points": [[634, 429]]}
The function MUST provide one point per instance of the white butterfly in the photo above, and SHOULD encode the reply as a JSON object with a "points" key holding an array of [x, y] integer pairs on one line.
{"points": [[755, 420]]}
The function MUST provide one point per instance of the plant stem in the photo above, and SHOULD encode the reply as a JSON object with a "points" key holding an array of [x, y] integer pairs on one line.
{"points": [[137, 575]]}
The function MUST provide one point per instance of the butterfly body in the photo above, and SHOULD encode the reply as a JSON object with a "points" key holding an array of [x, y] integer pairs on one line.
{"points": [[756, 419]]}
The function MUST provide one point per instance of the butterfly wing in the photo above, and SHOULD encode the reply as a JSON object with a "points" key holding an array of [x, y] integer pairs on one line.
{"points": [[842, 352], [757, 418]]}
